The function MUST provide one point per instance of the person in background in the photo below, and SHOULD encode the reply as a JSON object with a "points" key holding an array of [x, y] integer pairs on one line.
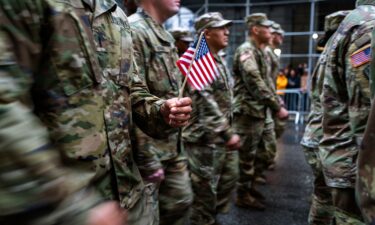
{"points": [[276, 42], [281, 82], [162, 162], [183, 38], [294, 80], [254, 100], [211, 144], [321, 210]]}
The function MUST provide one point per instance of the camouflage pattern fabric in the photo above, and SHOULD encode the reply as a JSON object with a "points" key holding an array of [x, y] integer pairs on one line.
{"points": [[254, 101], [214, 170], [156, 56], [255, 134], [321, 210], [346, 104], [116, 56], [274, 63], [252, 94], [365, 190], [85, 110], [34, 187]]}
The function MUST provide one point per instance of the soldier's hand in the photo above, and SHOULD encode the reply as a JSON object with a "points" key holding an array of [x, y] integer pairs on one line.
{"points": [[234, 142], [108, 213], [282, 113], [156, 177], [176, 112]]}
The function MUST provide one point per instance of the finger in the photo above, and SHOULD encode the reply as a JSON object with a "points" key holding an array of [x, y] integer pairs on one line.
{"points": [[179, 116], [186, 101], [181, 109]]}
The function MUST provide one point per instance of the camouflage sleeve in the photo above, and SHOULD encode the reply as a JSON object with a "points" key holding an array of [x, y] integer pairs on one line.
{"points": [[33, 185], [255, 84], [366, 158], [338, 146], [210, 115], [357, 77], [148, 161], [146, 108]]}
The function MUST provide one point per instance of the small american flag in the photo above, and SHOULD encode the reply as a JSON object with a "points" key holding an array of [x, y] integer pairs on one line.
{"points": [[204, 70], [361, 56]]}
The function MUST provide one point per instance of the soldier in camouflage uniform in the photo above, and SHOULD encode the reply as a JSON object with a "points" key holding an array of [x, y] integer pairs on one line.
{"points": [[276, 42], [161, 161], [254, 100], [346, 104], [183, 38], [266, 157], [321, 211], [84, 103], [211, 144]]}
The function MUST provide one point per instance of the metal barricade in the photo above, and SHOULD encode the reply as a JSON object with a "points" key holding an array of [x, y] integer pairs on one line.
{"points": [[297, 103]]}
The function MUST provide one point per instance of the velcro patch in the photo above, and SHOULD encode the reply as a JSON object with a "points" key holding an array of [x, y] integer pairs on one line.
{"points": [[361, 56], [245, 56]]}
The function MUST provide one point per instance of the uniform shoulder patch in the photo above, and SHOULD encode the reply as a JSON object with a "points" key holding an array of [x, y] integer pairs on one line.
{"points": [[361, 56], [245, 56]]}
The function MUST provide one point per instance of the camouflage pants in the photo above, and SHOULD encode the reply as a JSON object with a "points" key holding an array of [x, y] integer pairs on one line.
{"points": [[145, 211], [279, 126], [214, 173], [339, 168], [257, 136], [321, 210], [267, 148], [175, 193], [346, 210]]}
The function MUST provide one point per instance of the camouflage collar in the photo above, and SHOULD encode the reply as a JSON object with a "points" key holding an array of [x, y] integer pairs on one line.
{"points": [[74, 3], [365, 2], [253, 43], [103, 6], [156, 27]]}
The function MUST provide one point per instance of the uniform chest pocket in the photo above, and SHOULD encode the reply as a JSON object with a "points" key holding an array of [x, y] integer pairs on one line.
{"points": [[75, 62], [163, 72]]}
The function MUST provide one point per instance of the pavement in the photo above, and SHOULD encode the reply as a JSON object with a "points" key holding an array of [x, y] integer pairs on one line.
{"points": [[288, 189]]}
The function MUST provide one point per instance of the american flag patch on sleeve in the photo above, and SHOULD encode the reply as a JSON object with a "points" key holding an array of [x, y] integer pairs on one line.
{"points": [[361, 56]]}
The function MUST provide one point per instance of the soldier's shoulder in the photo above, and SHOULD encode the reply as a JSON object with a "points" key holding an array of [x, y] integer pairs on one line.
{"points": [[137, 20], [244, 51]]}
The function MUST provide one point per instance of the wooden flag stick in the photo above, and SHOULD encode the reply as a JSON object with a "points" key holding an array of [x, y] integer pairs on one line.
{"points": [[182, 88]]}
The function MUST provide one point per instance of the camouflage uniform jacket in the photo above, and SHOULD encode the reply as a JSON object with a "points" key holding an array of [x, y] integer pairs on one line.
{"points": [[85, 110], [365, 188], [113, 40], [156, 57], [253, 92], [212, 113], [34, 188], [314, 129], [346, 91]]}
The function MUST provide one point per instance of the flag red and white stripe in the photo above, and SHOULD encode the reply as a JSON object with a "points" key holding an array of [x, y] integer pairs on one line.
{"points": [[204, 70]]}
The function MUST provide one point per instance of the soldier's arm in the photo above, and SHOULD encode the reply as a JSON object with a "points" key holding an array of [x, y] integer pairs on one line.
{"points": [[357, 77], [366, 158], [255, 84], [337, 137], [33, 185], [145, 106], [148, 162]]}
